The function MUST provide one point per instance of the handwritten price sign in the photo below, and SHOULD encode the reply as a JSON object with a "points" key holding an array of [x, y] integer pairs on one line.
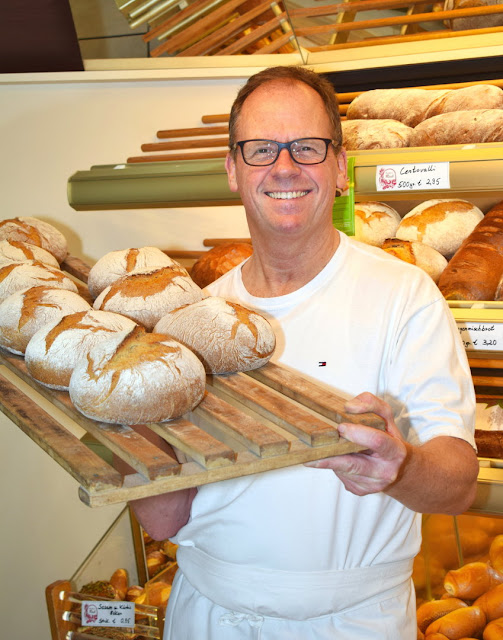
{"points": [[413, 177], [481, 336], [96, 613]]}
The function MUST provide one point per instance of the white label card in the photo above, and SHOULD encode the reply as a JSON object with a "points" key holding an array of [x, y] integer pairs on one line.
{"points": [[481, 336], [109, 613], [410, 177]]}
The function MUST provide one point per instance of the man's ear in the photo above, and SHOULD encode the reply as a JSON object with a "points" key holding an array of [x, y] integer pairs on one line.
{"points": [[230, 167], [342, 170]]}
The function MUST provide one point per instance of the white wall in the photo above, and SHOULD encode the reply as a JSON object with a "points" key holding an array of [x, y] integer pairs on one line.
{"points": [[48, 131]]}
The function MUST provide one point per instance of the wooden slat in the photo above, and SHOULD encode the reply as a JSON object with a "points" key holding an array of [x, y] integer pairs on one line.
{"points": [[195, 143], [68, 451], [487, 381], [55, 608], [311, 395], [178, 156], [192, 131], [213, 242], [184, 15], [485, 363], [342, 7], [76, 267], [230, 421], [212, 119], [242, 43], [196, 443], [276, 408], [276, 44]]}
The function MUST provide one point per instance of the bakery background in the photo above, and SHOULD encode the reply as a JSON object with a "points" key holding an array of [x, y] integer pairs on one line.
{"points": [[66, 108]]}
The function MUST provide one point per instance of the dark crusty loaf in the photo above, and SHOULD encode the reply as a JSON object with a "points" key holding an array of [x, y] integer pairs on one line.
{"points": [[217, 261], [475, 270], [461, 127]]}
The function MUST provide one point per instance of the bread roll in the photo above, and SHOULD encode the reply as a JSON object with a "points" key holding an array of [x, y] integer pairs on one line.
{"points": [[217, 261], [491, 602], [135, 593], [489, 445], [136, 378], [496, 553], [431, 611], [423, 256], [461, 127], [471, 580], [460, 623], [23, 275], [473, 22], [119, 581], [441, 224], [117, 264], [375, 222], [100, 588], [37, 232], [225, 336], [146, 297], [157, 593], [54, 350], [16, 251], [374, 134], [475, 270], [494, 630], [25, 312]]}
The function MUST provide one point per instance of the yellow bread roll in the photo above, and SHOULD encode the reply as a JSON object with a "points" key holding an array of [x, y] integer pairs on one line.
{"points": [[471, 580], [431, 611], [496, 553], [491, 603], [119, 580], [460, 623], [494, 630]]}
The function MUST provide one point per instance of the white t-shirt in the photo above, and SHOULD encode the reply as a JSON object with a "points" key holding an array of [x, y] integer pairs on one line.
{"points": [[366, 322]]}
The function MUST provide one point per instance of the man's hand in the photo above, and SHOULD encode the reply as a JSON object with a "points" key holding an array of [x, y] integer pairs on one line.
{"points": [[378, 466]]}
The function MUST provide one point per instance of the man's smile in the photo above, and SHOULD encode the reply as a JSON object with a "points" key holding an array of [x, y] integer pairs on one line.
{"points": [[286, 195]]}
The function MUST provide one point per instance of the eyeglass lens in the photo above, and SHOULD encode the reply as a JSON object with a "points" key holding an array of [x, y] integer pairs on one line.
{"points": [[303, 151]]}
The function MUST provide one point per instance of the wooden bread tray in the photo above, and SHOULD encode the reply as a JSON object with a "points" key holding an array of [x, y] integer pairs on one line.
{"points": [[247, 423]]}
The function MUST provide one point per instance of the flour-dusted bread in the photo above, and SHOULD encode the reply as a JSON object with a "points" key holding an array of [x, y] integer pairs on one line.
{"points": [[473, 22], [375, 222], [25, 312], [37, 232], [460, 127], [374, 134], [137, 378], [117, 264], [146, 297], [442, 224], [55, 349], [217, 261], [418, 253], [23, 275], [226, 336], [16, 251]]}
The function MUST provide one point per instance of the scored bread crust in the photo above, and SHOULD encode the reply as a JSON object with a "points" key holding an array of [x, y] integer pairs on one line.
{"points": [[137, 378], [460, 127], [23, 275], [375, 134], [25, 312], [422, 255], [37, 232], [225, 336], [117, 264], [146, 297], [217, 261], [375, 222], [440, 223], [17, 251], [55, 349]]}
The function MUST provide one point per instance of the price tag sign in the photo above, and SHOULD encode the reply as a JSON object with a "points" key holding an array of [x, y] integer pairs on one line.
{"points": [[101, 613], [481, 336], [412, 177]]}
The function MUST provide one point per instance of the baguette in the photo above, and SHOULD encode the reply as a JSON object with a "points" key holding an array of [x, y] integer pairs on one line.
{"points": [[475, 269], [460, 623], [461, 127]]}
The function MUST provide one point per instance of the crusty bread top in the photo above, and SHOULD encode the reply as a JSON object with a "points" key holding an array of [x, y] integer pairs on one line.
{"points": [[37, 232], [375, 134], [23, 275], [375, 221], [117, 264], [218, 260], [17, 251], [423, 256]]}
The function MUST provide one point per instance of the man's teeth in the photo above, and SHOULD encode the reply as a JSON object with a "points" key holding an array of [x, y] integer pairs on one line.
{"points": [[286, 195]]}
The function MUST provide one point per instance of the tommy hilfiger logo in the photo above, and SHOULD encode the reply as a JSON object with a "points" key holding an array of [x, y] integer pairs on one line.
{"points": [[322, 364]]}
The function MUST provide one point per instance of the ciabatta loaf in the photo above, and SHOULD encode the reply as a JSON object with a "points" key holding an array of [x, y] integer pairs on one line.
{"points": [[23, 275], [117, 264], [217, 261], [441, 224], [375, 222], [37, 232], [146, 297], [54, 350], [25, 312], [16, 251], [423, 256], [375, 134], [461, 127], [137, 378], [225, 336], [475, 270]]}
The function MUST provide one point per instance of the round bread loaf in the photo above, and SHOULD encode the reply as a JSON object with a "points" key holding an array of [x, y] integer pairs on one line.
{"points": [[375, 222], [146, 297], [137, 378], [16, 251], [23, 275], [225, 336], [375, 134], [25, 312], [117, 264], [37, 232], [54, 350], [217, 261], [441, 224], [423, 256]]}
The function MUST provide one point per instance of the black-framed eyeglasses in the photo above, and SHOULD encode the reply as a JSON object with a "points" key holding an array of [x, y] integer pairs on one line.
{"points": [[260, 153]]}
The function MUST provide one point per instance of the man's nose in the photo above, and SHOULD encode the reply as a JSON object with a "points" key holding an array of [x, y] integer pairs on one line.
{"points": [[285, 163]]}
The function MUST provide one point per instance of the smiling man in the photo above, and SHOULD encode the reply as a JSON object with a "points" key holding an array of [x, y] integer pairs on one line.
{"points": [[323, 550]]}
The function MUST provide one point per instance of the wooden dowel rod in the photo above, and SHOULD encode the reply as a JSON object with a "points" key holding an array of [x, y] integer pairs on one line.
{"points": [[180, 253], [178, 156], [353, 7], [213, 242], [185, 144], [224, 117], [194, 131], [258, 33]]}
